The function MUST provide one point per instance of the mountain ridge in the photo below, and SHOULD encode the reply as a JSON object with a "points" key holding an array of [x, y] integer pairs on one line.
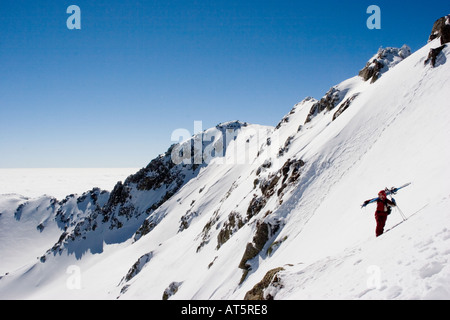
{"points": [[242, 201]]}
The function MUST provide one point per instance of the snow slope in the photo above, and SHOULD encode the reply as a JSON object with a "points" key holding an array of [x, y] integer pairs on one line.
{"points": [[285, 199]]}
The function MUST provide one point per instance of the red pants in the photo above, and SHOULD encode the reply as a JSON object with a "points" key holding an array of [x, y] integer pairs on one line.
{"points": [[381, 218]]}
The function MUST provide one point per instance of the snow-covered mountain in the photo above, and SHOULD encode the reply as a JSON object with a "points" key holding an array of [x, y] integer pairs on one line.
{"points": [[247, 211]]}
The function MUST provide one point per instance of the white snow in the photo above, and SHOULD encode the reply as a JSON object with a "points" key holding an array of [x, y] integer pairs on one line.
{"points": [[395, 131]]}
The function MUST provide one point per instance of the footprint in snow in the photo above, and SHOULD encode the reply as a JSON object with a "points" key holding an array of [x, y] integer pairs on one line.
{"points": [[430, 269], [393, 292]]}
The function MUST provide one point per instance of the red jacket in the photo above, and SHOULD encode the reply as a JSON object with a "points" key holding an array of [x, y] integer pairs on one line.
{"points": [[383, 206]]}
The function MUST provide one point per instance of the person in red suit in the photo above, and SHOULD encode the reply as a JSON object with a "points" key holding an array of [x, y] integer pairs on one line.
{"points": [[383, 210]]}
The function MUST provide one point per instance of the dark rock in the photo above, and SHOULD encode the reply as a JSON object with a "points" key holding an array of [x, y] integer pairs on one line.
{"points": [[119, 194], [186, 220], [372, 71], [255, 206], [344, 106], [268, 185], [271, 278], [441, 28], [206, 232], [286, 146], [291, 169], [252, 249], [384, 60], [433, 54], [234, 223], [329, 101], [18, 212], [171, 290], [137, 266], [147, 226]]}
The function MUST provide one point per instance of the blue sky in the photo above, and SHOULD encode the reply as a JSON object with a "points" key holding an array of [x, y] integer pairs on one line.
{"points": [[111, 93]]}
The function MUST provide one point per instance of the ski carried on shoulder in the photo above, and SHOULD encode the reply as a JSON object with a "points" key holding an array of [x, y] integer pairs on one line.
{"points": [[390, 191]]}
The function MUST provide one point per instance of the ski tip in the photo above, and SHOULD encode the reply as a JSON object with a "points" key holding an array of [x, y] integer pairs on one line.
{"points": [[406, 184]]}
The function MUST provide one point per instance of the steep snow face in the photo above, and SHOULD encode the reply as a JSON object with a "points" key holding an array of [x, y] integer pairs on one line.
{"points": [[30, 227], [89, 223], [330, 250], [215, 214], [25, 232]]}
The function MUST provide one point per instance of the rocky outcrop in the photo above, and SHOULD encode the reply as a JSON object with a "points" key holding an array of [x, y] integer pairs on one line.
{"points": [[270, 279], [384, 60], [441, 29], [344, 106], [433, 54], [372, 70], [128, 210], [267, 227], [171, 290], [234, 223], [253, 248], [137, 267], [331, 99]]}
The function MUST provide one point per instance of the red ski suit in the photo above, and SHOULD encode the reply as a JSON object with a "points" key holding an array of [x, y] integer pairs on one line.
{"points": [[381, 214]]}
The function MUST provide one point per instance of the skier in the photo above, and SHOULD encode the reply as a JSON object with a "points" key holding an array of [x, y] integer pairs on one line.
{"points": [[383, 210]]}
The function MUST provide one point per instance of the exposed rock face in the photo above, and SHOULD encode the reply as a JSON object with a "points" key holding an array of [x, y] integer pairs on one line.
{"points": [[384, 60], [258, 291], [371, 70], [344, 106], [253, 249], [441, 28], [234, 223], [434, 53], [171, 290], [137, 266], [274, 185], [130, 209], [331, 99]]}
